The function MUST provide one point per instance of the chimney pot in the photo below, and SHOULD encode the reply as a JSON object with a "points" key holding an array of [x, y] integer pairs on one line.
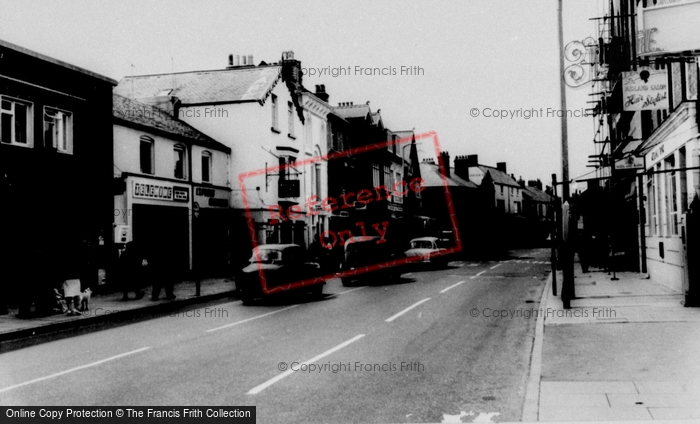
{"points": [[237, 60], [230, 60], [250, 59]]}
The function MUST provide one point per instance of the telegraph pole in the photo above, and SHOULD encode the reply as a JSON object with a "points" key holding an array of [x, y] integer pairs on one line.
{"points": [[562, 91], [566, 250]]}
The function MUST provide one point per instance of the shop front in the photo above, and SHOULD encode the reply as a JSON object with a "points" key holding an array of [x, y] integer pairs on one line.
{"points": [[157, 218]]}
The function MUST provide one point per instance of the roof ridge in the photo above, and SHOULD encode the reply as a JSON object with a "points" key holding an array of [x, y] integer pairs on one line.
{"points": [[247, 68]]}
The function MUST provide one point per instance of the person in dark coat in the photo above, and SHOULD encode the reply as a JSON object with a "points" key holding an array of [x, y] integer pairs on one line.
{"points": [[163, 277], [132, 265]]}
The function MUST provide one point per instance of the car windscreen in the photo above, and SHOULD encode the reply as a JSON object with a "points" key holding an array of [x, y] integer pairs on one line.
{"points": [[422, 244], [266, 256]]}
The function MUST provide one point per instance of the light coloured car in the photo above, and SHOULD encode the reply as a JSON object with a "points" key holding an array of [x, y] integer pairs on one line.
{"points": [[426, 250]]}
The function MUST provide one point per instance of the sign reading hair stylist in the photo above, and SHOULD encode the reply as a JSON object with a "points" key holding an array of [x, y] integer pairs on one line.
{"points": [[645, 89]]}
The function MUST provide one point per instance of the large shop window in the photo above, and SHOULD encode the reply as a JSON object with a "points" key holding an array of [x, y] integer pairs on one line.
{"points": [[180, 157], [58, 129], [206, 167], [146, 154], [15, 122]]}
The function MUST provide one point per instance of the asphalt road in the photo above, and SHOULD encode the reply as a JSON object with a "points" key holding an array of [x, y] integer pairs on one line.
{"points": [[415, 350]]}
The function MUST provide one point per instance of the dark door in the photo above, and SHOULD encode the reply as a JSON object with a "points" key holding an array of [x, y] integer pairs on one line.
{"points": [[163, 231]]}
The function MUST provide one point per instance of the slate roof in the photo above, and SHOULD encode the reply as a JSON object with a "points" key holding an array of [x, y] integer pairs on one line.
{"points": [[499, 177], [206, 87], [537, 195], [49, 59], [430, 173], [151, 117]]}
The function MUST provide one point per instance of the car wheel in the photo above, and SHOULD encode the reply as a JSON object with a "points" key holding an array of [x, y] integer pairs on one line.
{"points": [[347, 282], [317, 290]]}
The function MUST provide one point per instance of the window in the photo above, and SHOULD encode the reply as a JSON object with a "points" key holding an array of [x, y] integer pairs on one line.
{"points": [[317, 176], [501, 189], [517, 207], [146, 154], [501, 205], [275, 123], [387, 181], [58, 130], [656, 201], [206, 167], [15, 122], [671, 197], [180, 157], [290, 118], [375, 175]]}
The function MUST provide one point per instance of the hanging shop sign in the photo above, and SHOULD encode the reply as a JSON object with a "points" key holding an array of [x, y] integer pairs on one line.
{"points": [[630, 162], [668, 27], [644, 89]]}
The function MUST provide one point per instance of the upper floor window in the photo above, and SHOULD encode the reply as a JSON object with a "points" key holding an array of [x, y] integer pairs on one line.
{"points": [[180, 157], [275, 120], [146, 154], [206, 167], [58, 129], [15, 122], [290, 118]]}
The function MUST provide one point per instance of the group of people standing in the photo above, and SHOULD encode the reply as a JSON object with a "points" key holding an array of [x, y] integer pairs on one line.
{"points": [[137, 268]]}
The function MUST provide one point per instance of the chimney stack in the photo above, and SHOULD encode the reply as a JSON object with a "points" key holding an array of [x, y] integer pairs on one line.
{"points": [[321, 92], [444, 164], [501, 166], [462, 167]]}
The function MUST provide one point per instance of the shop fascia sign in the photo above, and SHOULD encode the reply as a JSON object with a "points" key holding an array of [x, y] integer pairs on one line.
{"points": [[160, 190], [669, 27], [644, 89]]}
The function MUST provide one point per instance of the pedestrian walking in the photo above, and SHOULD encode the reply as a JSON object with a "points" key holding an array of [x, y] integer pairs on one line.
{"points": [[133, 266]]}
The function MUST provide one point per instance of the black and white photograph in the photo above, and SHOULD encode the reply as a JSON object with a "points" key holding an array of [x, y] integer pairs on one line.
{"points": [[351, 211]]}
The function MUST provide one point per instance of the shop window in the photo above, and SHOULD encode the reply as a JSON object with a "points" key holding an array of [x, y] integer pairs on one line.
{"points": [[682, 164], [651, 210], [180, 158], [146, 154], [15, 122], [290, 119], [206, 166], [275, 118], [671, 197], [657, 201], [58, 129]]}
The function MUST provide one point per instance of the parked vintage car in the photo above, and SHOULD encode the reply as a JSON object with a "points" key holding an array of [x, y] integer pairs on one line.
{"points": [[276, 269], [427, 250], [369, 257]]}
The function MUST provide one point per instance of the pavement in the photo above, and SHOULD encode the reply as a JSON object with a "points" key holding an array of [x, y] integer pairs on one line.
{"points": [[627, 350], [106, 310]]}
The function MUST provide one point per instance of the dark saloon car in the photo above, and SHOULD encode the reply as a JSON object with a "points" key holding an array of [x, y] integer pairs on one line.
{"points": [[277, 269], [369, 257]]}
